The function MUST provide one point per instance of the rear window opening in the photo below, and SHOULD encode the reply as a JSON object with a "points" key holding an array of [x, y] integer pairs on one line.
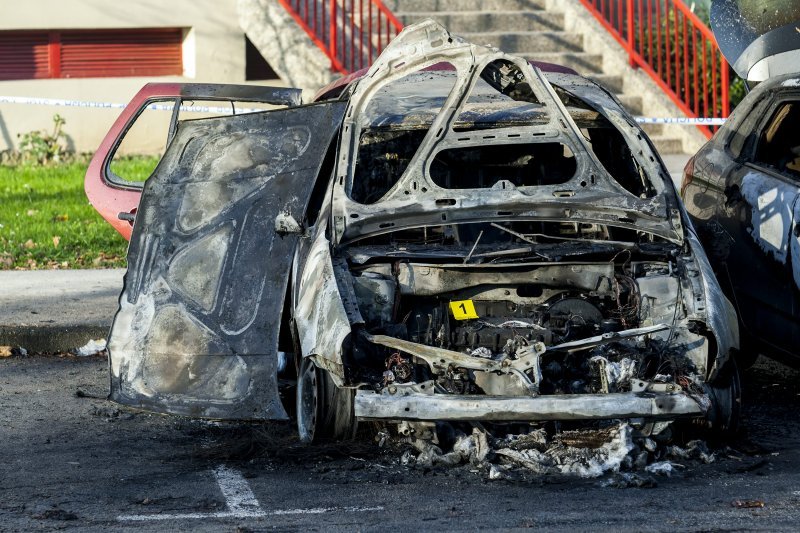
{"points": [[383, 157], [503, 166]]}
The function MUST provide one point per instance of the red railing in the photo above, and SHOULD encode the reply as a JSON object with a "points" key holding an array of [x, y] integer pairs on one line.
{"points": [[352, 33], [666, 40]]}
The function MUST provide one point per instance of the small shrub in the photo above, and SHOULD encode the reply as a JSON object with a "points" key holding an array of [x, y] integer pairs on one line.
{"points": [[42, 148]]}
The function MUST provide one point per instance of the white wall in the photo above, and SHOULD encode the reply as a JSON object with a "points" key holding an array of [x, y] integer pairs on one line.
{"points": [[215, 48]]}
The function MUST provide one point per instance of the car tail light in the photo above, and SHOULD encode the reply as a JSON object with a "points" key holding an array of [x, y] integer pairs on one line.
{"points": [[688, 175]]}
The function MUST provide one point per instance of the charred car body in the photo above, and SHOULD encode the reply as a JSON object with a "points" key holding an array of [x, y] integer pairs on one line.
{"points": [[457, 237]]}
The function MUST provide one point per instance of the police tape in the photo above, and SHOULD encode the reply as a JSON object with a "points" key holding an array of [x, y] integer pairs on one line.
{"points": [[687, 121], [227, 110]]}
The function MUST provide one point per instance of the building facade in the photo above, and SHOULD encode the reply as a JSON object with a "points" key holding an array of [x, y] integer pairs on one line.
{"points": [[104, 51]]}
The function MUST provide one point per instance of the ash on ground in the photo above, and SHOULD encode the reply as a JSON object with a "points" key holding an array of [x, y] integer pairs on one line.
{"points": [[630, 460]]}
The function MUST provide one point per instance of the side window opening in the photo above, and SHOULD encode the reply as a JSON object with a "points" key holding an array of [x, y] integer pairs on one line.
{"points": [[144, 142], [142, 145], [779, 145], [321, 186]]}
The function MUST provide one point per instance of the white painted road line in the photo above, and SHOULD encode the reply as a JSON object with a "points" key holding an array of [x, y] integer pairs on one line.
{"points": [[241, 503], [236, 491]]}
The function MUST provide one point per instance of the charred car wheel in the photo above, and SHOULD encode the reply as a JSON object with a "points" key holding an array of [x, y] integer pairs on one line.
{"points": [[324, 411], [726, 400], [748, 354]]}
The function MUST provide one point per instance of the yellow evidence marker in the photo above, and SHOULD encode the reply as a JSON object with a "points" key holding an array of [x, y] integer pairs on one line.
{"points": [[463, 310]]}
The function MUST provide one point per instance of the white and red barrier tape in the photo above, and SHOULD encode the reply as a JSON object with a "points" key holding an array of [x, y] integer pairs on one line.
{"points": [[700, 121]]}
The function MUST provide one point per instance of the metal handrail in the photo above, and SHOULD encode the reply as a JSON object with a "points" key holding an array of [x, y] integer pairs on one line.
{"points": [[671, 44], [350, 32]]}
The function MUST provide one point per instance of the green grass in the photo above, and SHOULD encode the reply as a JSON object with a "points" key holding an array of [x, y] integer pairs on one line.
{"points": [[46, 220], [133, 169]]}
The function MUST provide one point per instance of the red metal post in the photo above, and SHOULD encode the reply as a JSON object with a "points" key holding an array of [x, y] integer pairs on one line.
{"points": [[687, 95], [714, 81], [352, 65], [696, 106], [640, 18], [629, 17], [332, 53], [726, 100], [369, 33], [658, 39]]}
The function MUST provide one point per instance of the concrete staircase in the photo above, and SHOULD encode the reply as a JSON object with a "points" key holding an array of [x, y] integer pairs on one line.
{"points": [[534, 29]]}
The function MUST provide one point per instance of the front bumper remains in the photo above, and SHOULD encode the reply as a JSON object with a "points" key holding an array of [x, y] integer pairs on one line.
{"points": [[412, 405]]}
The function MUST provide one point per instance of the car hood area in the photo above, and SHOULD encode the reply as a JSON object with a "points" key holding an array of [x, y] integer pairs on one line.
{"points": [[759, 38]]}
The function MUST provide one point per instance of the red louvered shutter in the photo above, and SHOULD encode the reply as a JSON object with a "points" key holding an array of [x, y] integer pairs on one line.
{"points": [[120, 53], [27, 55], [24, 55]]}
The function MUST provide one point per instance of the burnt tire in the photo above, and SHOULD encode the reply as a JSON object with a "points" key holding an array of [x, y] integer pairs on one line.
{"points": [[748, 352], [324, 411], [726, 400]]}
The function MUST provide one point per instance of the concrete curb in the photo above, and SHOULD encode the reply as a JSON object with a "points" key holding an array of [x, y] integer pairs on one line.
{"points": [[51, 339], [47, 311]]}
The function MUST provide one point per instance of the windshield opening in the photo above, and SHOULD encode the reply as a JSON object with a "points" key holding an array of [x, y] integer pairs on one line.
{"points": [[503, 166]]}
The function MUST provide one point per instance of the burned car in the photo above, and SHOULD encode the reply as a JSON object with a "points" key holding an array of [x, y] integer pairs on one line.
{"points": [[457, 236], [741, 188]]}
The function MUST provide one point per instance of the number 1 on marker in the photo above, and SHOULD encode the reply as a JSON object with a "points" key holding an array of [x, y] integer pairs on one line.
{"points": [[463, 310]]}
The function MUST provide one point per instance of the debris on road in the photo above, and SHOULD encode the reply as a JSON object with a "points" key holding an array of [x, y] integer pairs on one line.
{"points": [[15, 351], [583, 453], [663, 468], [747, 504], [91, 348]]}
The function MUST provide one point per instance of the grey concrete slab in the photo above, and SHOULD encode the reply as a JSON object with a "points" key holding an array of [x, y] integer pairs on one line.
{"points": [[56, 310], [675, 164]]}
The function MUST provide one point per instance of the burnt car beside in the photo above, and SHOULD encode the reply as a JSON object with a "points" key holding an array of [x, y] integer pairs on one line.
{"points": [[742, 187], [457, 237]]}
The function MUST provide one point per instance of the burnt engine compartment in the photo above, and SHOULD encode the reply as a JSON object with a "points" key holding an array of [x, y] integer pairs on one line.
{"points": [[496, 315]]}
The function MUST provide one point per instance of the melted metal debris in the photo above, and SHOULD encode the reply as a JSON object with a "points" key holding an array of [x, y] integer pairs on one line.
{"points": [[586, 453], [91, 348]]}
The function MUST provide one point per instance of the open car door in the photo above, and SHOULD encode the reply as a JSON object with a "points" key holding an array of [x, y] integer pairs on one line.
{"points": [[116, 197], [759, 38], [197, 328]]}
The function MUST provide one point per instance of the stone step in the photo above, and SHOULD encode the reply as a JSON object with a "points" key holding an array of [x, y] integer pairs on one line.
{"points": [[612, 83], [633, 104], [407, 6], [653, 130], [477, 21], [667, 145], [582, 62], [543, 41]]}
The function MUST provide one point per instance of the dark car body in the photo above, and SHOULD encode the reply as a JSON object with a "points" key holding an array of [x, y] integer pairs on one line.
{"points": [[742, 190]]}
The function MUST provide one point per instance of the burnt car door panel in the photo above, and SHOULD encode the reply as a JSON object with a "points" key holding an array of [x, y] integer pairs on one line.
{"points": [[196, 332], [155, 110], [765, 201], [765, 195]]}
